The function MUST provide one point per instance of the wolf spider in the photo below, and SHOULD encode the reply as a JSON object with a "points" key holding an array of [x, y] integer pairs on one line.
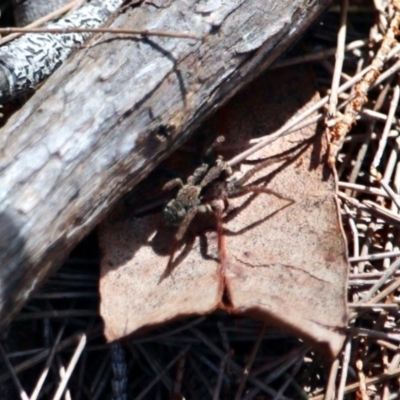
{"points": [[208, 190]]}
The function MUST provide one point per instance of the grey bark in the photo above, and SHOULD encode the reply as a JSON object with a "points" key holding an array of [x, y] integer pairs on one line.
{"points": [[108, 116]]}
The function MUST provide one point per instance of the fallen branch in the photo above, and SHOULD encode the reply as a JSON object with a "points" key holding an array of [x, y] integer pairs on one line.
{"points": [[112, 113]]}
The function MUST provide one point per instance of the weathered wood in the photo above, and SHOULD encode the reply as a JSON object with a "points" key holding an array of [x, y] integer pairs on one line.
{"points": [[104, 120]]}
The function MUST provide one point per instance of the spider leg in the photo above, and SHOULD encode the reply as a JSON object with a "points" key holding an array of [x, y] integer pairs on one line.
{"points": [[178, 237], [185, 223], [217, 142], [173, 183], [221, 241], [198, 174], [257, 189], [215, 172]]}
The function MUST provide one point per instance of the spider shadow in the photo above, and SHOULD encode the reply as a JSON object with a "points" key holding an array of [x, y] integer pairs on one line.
{"points": [[186, 245], [164, 241], [261, 186], [161, 243], [236, 211], [232, 214]]}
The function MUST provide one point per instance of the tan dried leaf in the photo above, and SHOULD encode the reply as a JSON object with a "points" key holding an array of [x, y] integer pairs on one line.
{"points": [[282, 260]]}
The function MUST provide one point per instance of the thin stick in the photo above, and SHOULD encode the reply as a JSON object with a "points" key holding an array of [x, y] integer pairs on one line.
{"points": [[382, 143], [292, 374], [71, 366], [43, 354], [363, 189], [320, 55], [382, 211], [373, 114], [368, 381], [374, 257], [13, 374], [163, 372], [286, 128], [47, 366], [389, 72], [394, 196], [236, 367], [385, 292], [179, 378], [341, 42], [373, 306], [374, 334], [354, 230], [124, 31], [330, 387], [345, 368], [249, 364], [217, 390]]}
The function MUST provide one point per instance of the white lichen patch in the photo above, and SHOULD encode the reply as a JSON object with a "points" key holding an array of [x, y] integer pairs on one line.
{"points": [[29, 60]]}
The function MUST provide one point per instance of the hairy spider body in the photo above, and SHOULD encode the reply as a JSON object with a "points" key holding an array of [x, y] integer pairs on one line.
{"points": [[189, 199]]}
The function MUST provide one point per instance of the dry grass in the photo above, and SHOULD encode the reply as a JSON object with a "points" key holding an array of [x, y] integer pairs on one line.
{"points": [[56, 342]]}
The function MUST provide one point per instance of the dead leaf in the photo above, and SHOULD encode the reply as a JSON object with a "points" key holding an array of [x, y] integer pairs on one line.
{"points": [[283, 261]]}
